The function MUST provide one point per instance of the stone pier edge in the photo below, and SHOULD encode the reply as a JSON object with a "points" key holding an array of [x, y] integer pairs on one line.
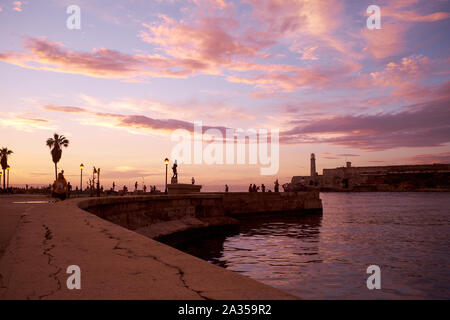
{"points": [[115, 263]]}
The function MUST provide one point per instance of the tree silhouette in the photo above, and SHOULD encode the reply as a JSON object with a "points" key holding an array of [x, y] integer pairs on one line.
{"points": [[55, 144], [4, 153]]}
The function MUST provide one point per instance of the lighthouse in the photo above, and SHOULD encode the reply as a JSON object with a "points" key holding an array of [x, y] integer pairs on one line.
{"points": [[313, 166]]}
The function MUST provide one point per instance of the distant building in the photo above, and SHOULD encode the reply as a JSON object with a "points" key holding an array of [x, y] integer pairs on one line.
{"points": [[378, 178]]}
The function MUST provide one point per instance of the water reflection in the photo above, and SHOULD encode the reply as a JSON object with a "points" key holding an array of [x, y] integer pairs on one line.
{"points": [[265, 248], [315, 257]]}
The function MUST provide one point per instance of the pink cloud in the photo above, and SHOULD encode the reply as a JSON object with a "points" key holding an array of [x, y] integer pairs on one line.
{"points": [[408, 68], [202, 56], [214, 4], [210, 41], [308, 26], [404, 78], [403, 10], [139, 122], [25, 123], [421, 125], [431, 158], [397, 18], [385, 42], [217, 43], [103, 63], [64, 109], [17, 6]]}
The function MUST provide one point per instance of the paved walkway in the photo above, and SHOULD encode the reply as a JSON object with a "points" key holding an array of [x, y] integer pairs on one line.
{"points": [[11, 209], [115, 263]]}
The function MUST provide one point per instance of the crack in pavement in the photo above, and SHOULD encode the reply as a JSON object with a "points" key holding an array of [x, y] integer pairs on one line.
{"points": [[2, 285], [180, 271], [47, 237], [132, 254]]}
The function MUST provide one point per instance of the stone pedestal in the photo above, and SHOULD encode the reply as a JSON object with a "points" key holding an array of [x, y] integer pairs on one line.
{"points": [[180, 188]]}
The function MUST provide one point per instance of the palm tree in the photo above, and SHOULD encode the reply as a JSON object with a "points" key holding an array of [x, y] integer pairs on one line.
{"points": [[4, 153], [55, 144]]}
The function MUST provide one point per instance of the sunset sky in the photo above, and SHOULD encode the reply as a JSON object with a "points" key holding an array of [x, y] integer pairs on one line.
{"points": [[139, 69]]}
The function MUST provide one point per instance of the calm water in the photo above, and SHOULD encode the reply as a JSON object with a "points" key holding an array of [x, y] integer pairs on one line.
{"points": [[313, 257]]}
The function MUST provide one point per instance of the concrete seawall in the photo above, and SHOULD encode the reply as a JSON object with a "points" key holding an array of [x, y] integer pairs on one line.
{"points": [[241, 204], [159, 216], [116, 262]]}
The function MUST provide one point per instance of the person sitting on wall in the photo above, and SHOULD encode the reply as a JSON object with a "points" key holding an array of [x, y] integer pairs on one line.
{"points": [[59, 189], [226, 188]]}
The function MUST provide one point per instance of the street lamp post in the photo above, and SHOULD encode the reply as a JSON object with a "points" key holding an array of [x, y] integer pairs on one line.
{"points": [[98, 182], [7, 183], [94, 172], [1, 174], [81, 178], [166, 161]]}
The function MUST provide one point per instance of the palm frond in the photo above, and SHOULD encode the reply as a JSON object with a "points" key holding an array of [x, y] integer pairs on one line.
{"points": [[50, 142]]}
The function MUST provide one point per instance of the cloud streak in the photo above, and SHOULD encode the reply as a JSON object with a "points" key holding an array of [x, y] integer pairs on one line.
{"points": [[139, 122], [423, 125]]}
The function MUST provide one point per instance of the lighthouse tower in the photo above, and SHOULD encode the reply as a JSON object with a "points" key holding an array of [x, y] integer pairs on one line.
{"points": [[313, 166]]}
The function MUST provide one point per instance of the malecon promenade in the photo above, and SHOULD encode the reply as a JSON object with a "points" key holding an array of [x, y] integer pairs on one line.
{"points": [[111, 239]]}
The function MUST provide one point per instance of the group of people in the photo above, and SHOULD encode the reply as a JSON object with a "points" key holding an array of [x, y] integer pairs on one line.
{"points": [[152, 188], [61, 189], [255, 188]]}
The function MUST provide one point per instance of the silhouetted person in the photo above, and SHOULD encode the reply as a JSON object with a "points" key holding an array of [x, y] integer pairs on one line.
{"points": [[113, 186], [263, 188], [277, 186], [193, 180], [69, 189], [226, 188], [145, 188], [250, 188], [135, 186]]}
